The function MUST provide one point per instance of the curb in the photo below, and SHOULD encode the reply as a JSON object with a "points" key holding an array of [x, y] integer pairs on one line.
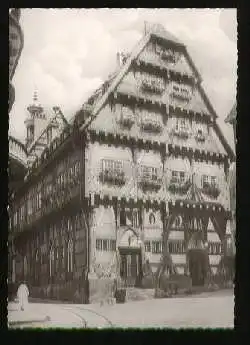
{"points": [[26, 322]]}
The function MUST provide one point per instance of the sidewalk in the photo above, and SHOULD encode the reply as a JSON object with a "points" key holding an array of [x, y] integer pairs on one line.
{"points": [[43, 315]]}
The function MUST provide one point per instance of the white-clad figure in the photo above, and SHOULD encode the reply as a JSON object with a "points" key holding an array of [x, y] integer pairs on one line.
{"points": [[22, 295]]}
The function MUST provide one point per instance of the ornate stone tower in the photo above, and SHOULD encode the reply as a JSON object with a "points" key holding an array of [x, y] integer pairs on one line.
{"points": [[35, 120]]}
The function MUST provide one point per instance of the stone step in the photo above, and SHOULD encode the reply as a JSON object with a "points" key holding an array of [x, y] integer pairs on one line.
{"points": [[137, 294]]}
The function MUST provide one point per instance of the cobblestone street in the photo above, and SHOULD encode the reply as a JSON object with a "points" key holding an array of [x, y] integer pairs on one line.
{"points": [[208, 310]]}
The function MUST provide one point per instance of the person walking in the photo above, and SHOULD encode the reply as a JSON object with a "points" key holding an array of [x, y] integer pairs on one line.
{"points": [[22, 295]]}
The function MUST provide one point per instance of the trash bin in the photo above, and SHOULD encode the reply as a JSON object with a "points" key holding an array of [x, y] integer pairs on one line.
{"points": [[120, 295]]}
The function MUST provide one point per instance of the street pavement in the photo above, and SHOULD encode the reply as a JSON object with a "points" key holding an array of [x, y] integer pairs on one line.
{"points": [[207, 310]]}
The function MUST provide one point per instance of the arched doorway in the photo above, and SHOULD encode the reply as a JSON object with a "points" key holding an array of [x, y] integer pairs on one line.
{"points": [[197, 259], [130, 258]]}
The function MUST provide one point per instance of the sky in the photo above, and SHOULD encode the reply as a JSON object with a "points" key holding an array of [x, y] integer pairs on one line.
{"points": [[68, 53]]}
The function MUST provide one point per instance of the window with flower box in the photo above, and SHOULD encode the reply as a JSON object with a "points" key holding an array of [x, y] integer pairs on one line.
{"points": [[151, 122], [105, 245], [126, 117], [209, 186], [150, 178], [179, 182], [181, 91], [153, 84], [200, 136], [156, 247], [167, 54], [181, 129], [112, 172]]}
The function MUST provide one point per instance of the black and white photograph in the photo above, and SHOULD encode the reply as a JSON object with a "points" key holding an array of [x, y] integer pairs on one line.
{"points": [[122, 168]]}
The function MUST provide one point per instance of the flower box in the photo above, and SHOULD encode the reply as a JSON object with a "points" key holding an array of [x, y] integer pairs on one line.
{"points": [[182, 92], [117, 178], [150, 184], [211, 191], [152, 86], [179, 188], [151, 125]]}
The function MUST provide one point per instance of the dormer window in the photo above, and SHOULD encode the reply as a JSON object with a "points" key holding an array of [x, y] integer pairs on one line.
{"points": [[112, 172]]}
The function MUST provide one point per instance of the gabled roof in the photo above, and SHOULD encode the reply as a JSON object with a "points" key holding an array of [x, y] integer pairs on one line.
{"points": [[155, 30], [159, 31]]}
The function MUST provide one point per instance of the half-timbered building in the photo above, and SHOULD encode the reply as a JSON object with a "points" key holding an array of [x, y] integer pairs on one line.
{"points": [[138, 182]]}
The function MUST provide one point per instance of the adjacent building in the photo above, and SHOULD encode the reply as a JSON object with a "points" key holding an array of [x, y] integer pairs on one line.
{"points": [[231, 119], [139, 176]]}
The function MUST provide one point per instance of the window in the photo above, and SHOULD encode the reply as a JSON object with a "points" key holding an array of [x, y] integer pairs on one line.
{"points": [[213, 180], [112, 171], [70, 255], [105, 245], [156, 247], [149, 173], [136, 219], [178, 177], [49, 135], [111, 165], [176, 247], [178, 222], [208, 181], [147, 245], [151, 218], [123, 218], [181, 125], [51, 261]]}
